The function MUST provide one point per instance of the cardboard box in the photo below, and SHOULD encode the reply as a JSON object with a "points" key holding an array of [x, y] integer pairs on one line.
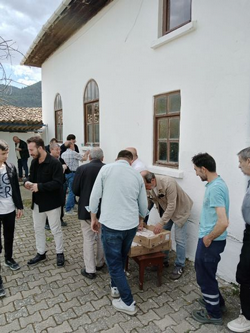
{"points": [[137, 249], [153, 240]]}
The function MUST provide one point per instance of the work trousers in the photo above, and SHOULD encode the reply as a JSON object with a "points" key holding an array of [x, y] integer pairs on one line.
{"points": [[23, 165], [8, 223], [39, 220], [91, 238], [243, 274], [206, 263]]}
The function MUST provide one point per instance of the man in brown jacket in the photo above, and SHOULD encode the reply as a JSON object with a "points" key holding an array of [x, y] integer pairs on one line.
{"points": [[174, 207]]}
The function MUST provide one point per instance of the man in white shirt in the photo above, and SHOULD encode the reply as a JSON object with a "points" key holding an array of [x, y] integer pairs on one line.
{"points": [[124, 203]]}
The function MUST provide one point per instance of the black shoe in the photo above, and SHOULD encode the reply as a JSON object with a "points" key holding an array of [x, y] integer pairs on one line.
{"points": [[60, 260], [12, 264], [47, 227], [37, 259], [90, 276], [64, 224], [100, 267]]}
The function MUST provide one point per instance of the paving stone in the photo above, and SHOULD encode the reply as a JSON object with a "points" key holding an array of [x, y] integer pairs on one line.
{"points": [[149, 316], [51, 311], [115, 329], [180, 315], [7, 308], [146, 306], [192, 296], [10, 316], [36, 283], [183, 327], [9, 299], [9, 328], [151, 327], [80, 322], [128, 325], [97, 326], [86, 308], [32, 319], [101, 302], [64, 328], [37, 307], [64, 316], [30, 292], [27, 329], [44, 325], [56, 300], [167, 321], [2, 320]]}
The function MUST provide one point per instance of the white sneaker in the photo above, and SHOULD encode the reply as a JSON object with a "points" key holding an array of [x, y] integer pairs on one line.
{"points": [[70, 212], [240, 324], [115, 292], [119, 305]]}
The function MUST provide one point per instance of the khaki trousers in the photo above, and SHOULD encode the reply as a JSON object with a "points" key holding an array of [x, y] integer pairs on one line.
{"points": [[89, 240]]}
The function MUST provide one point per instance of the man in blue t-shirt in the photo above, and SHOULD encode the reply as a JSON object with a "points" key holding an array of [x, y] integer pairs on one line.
{"points": [[212, 240]]}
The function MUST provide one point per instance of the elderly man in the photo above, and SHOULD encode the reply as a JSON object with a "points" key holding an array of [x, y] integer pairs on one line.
{"points": [[124, 204], [22, 155], [11, 206], [72, 158], [85, 177], [137, 164], [174, 207], [46, 184], [242, 323], [212, 240]]}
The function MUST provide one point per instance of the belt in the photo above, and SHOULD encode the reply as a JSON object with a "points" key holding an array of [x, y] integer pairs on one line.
{"points": [[72, 171]]}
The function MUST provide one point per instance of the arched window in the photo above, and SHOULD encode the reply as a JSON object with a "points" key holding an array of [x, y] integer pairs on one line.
{"points": [[91, 113], [58, 118]]}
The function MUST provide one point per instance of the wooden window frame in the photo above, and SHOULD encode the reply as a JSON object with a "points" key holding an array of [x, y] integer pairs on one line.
{"points": [[56, 111], [168, 116], [86, 102], [166, 18]]}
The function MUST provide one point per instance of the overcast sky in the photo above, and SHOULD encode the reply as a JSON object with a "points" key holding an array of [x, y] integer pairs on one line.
{"points": [[20, 21]]}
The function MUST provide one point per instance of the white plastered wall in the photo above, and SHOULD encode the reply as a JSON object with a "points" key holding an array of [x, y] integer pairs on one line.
{"points": [[211, 68]]}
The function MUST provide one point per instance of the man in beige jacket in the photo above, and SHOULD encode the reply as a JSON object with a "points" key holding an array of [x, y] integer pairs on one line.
{"points": [[174, 207]]}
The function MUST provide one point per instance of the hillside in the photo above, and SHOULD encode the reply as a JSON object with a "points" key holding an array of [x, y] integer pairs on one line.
{"points": [[30, 96]]}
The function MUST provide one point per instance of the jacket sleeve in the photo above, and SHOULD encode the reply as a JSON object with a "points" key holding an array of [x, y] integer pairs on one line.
{"points": [[143, 201], [171, 196], [16, 194], [77, 182], [96, 194], [23, 146], [57, 179]]}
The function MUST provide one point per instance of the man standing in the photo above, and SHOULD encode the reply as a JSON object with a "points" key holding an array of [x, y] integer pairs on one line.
{"points": [[72, 158], [242, 323], [85, 177], [174, 207], [45, 182], [212, 240], [137, 164], [124, 202], [22, 155], [71, 138], [11, 206]]}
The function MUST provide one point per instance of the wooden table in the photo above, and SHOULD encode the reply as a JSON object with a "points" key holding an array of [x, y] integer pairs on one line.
{"points": [[147, 260]]}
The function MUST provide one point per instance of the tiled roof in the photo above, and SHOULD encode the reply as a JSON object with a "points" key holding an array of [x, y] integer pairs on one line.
{"points": [[16, 119]]}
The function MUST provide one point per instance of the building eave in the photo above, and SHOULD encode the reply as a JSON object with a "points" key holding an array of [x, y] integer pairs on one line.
{"points": [[70, 16]]}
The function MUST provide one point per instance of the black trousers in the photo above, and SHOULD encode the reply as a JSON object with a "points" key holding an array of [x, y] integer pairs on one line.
{"points": [[7, 221], [243, 274]]}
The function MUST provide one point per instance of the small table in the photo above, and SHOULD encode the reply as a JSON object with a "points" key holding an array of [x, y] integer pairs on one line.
{"points": [[147, 260]]}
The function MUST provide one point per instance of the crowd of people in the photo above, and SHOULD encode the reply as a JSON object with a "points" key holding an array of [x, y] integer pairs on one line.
{"points": [[114, 201]]}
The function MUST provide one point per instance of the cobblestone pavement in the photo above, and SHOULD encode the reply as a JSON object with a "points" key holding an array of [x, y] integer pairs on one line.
{"points": [[45, 298]]}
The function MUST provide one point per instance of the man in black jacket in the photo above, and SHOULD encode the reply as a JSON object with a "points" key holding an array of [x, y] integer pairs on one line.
{"points": [[11, 206], [85, 177], [46, 184], [22, 154]]}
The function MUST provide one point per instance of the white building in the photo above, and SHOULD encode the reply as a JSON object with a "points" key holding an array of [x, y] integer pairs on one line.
{"points": [[148, 64]]}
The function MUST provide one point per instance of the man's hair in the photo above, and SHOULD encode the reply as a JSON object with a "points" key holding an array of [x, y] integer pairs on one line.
{"points": [[205, 160], [244, 153], [4, 145], [54, 145], [37, 140], [125, 154], [71, 137], [148, 177], [53, 140], [96, 153]]}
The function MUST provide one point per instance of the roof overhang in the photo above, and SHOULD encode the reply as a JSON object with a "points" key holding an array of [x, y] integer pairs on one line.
{"points": [[70, 16]]}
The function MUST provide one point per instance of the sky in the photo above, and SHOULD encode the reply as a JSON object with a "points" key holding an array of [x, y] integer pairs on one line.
{"points": [[20, 22]]}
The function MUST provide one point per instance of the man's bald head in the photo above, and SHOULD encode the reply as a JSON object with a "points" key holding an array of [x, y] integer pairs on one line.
{"points": [[133, 151]]}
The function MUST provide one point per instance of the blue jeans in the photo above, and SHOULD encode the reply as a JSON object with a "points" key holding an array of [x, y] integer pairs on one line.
{"points": [[180, 239], [22, 164], [70, 203], [206, 263], [116, 245]]}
